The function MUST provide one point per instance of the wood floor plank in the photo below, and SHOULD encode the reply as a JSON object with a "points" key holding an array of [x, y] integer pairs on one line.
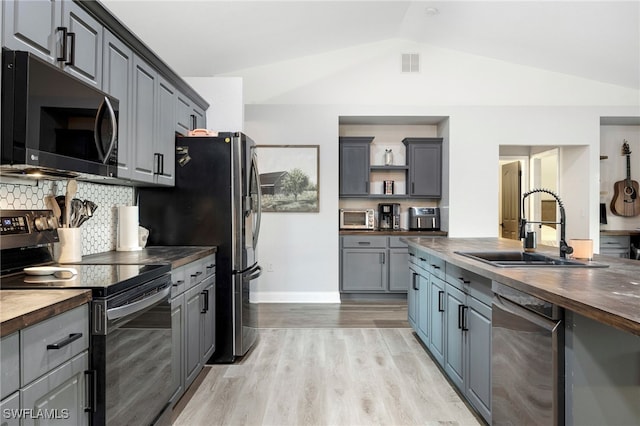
{"points": [[329, 370]]}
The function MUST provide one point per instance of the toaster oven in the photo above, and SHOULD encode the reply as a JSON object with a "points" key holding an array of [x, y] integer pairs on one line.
{"points": [[357, 219]]}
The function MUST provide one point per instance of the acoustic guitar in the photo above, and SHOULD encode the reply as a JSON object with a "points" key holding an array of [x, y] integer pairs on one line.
{"points": [[626, 201]]}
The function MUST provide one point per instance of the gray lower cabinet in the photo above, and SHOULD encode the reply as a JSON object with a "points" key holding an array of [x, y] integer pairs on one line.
{"points": [[193, 317], [178, 326], [615, 245], [44, 371], [450, 311], [60, 393], [437, 318], [373, 264], [8, 406], [117, 81], [45, 28]]}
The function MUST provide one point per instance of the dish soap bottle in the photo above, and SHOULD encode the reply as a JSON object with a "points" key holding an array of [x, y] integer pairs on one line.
{"points": [[529, 244], [388, 157]]}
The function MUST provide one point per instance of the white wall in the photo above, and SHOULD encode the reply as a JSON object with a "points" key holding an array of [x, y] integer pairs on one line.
{"points": [[489, 103], [226, 106]]}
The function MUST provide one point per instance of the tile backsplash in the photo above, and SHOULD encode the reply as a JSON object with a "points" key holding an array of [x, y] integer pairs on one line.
{"points": [[100, 232]]}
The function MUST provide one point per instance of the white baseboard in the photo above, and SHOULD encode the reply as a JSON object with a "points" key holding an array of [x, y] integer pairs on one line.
{"points": [[295, 297]]}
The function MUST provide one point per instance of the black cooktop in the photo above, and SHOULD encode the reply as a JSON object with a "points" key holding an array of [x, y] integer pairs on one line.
{"points": [[103, 280]]}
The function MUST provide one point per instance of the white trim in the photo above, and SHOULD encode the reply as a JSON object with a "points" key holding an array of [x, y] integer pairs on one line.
{"points": [[295, 297]]}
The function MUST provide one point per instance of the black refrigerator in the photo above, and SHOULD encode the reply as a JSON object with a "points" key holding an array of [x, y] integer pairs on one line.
{"points": [[215, 201]]}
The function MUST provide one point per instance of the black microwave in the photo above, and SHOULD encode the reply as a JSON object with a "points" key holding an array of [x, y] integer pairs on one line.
{"points": [[53, 123]]}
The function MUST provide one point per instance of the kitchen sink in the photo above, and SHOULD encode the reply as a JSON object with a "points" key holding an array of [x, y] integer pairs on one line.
{"points": [[519, 259]]}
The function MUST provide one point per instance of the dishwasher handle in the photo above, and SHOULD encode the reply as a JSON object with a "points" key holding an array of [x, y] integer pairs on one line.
{"points": [[505, 305], [132, 308]]}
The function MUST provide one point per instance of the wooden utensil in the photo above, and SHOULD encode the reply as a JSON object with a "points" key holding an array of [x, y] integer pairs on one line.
{"points": [[72, 188], [52, 205]]}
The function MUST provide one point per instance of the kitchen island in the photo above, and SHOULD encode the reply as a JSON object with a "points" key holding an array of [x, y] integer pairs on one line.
{"points": [[583, 369], [608, 295]]}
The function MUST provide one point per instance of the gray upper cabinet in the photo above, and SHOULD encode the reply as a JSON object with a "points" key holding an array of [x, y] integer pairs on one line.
{"points": [[424, 158], [117, 81], [184, 121], [58, 31], [164, 149], [354, 165], [85, 48], [32, 26], [143, 121]]}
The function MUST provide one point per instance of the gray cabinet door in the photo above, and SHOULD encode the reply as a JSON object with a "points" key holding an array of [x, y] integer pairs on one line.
{"points": [[143, 120], [208, 318], [424, 158], [117, 81], [164, 150], [62, 390], [364, 270], [178, 349], [423, 307], [9, 364], [32, 26], [412, 298], [199, 120], [478, 354], [436, 315], [398, 272], [354, 165], [193, 355], [183, 114], [85, 48], [12, 404], [454, 352]]}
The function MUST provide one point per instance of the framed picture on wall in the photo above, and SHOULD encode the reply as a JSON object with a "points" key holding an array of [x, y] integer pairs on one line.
{"points": [[289, 178]]}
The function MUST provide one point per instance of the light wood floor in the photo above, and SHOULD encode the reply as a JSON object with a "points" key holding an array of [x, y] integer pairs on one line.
{"points": [[314, 365]]}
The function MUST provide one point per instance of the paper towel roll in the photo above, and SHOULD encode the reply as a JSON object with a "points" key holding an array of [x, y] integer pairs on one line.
{"points": [[128, 229]]}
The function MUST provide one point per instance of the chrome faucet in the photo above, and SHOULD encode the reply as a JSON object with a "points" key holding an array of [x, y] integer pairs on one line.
{"points": [[564, 247]]}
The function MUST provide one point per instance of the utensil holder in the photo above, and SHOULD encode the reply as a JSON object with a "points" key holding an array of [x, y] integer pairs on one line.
{"points": [[69, 249]]}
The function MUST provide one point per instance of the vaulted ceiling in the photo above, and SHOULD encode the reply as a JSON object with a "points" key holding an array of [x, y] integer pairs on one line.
{"points": [[599, 40]]}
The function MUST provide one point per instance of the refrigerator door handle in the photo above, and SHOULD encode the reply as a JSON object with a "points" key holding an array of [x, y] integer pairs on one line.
{"points": [[254, 170]]}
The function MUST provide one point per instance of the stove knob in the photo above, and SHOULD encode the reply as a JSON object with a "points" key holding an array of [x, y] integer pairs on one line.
{"points": [[43, 223]]}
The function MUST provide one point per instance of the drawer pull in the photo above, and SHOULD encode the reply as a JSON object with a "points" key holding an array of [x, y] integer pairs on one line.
{"points": [[196, 275], [64, 342], [423, 259], [364, 243], [464, 281], [435, 266]]}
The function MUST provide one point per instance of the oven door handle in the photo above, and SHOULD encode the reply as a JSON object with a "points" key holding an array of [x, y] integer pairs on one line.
{"points": [[123, 311]]}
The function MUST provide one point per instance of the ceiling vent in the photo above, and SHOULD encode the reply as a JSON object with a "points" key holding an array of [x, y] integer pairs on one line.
{"points": [[410, 62]]}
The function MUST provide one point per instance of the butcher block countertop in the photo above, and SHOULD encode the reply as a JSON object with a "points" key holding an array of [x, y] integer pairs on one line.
{"points": [[22, 308], [608, 295], [175, 255]]}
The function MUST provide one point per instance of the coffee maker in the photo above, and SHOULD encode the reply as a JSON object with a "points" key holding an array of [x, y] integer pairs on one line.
{"points": [[389, 216]]}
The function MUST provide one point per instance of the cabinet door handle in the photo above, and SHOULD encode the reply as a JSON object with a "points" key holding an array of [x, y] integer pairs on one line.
{"points": [[366, 186], [382, 258], [440, 301], [415, 281], [64, 342], [460, 316], [72, 56], [63, 57], [91, 387], [205, 307], [464, 317], [413, 187]]}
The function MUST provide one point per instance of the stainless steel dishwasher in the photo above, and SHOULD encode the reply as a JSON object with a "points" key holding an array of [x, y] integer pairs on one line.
{"points": [[527, 359]]}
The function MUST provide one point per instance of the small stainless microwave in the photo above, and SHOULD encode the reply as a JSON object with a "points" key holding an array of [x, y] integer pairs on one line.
{"points": [[53, 122], [357, 219]]}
